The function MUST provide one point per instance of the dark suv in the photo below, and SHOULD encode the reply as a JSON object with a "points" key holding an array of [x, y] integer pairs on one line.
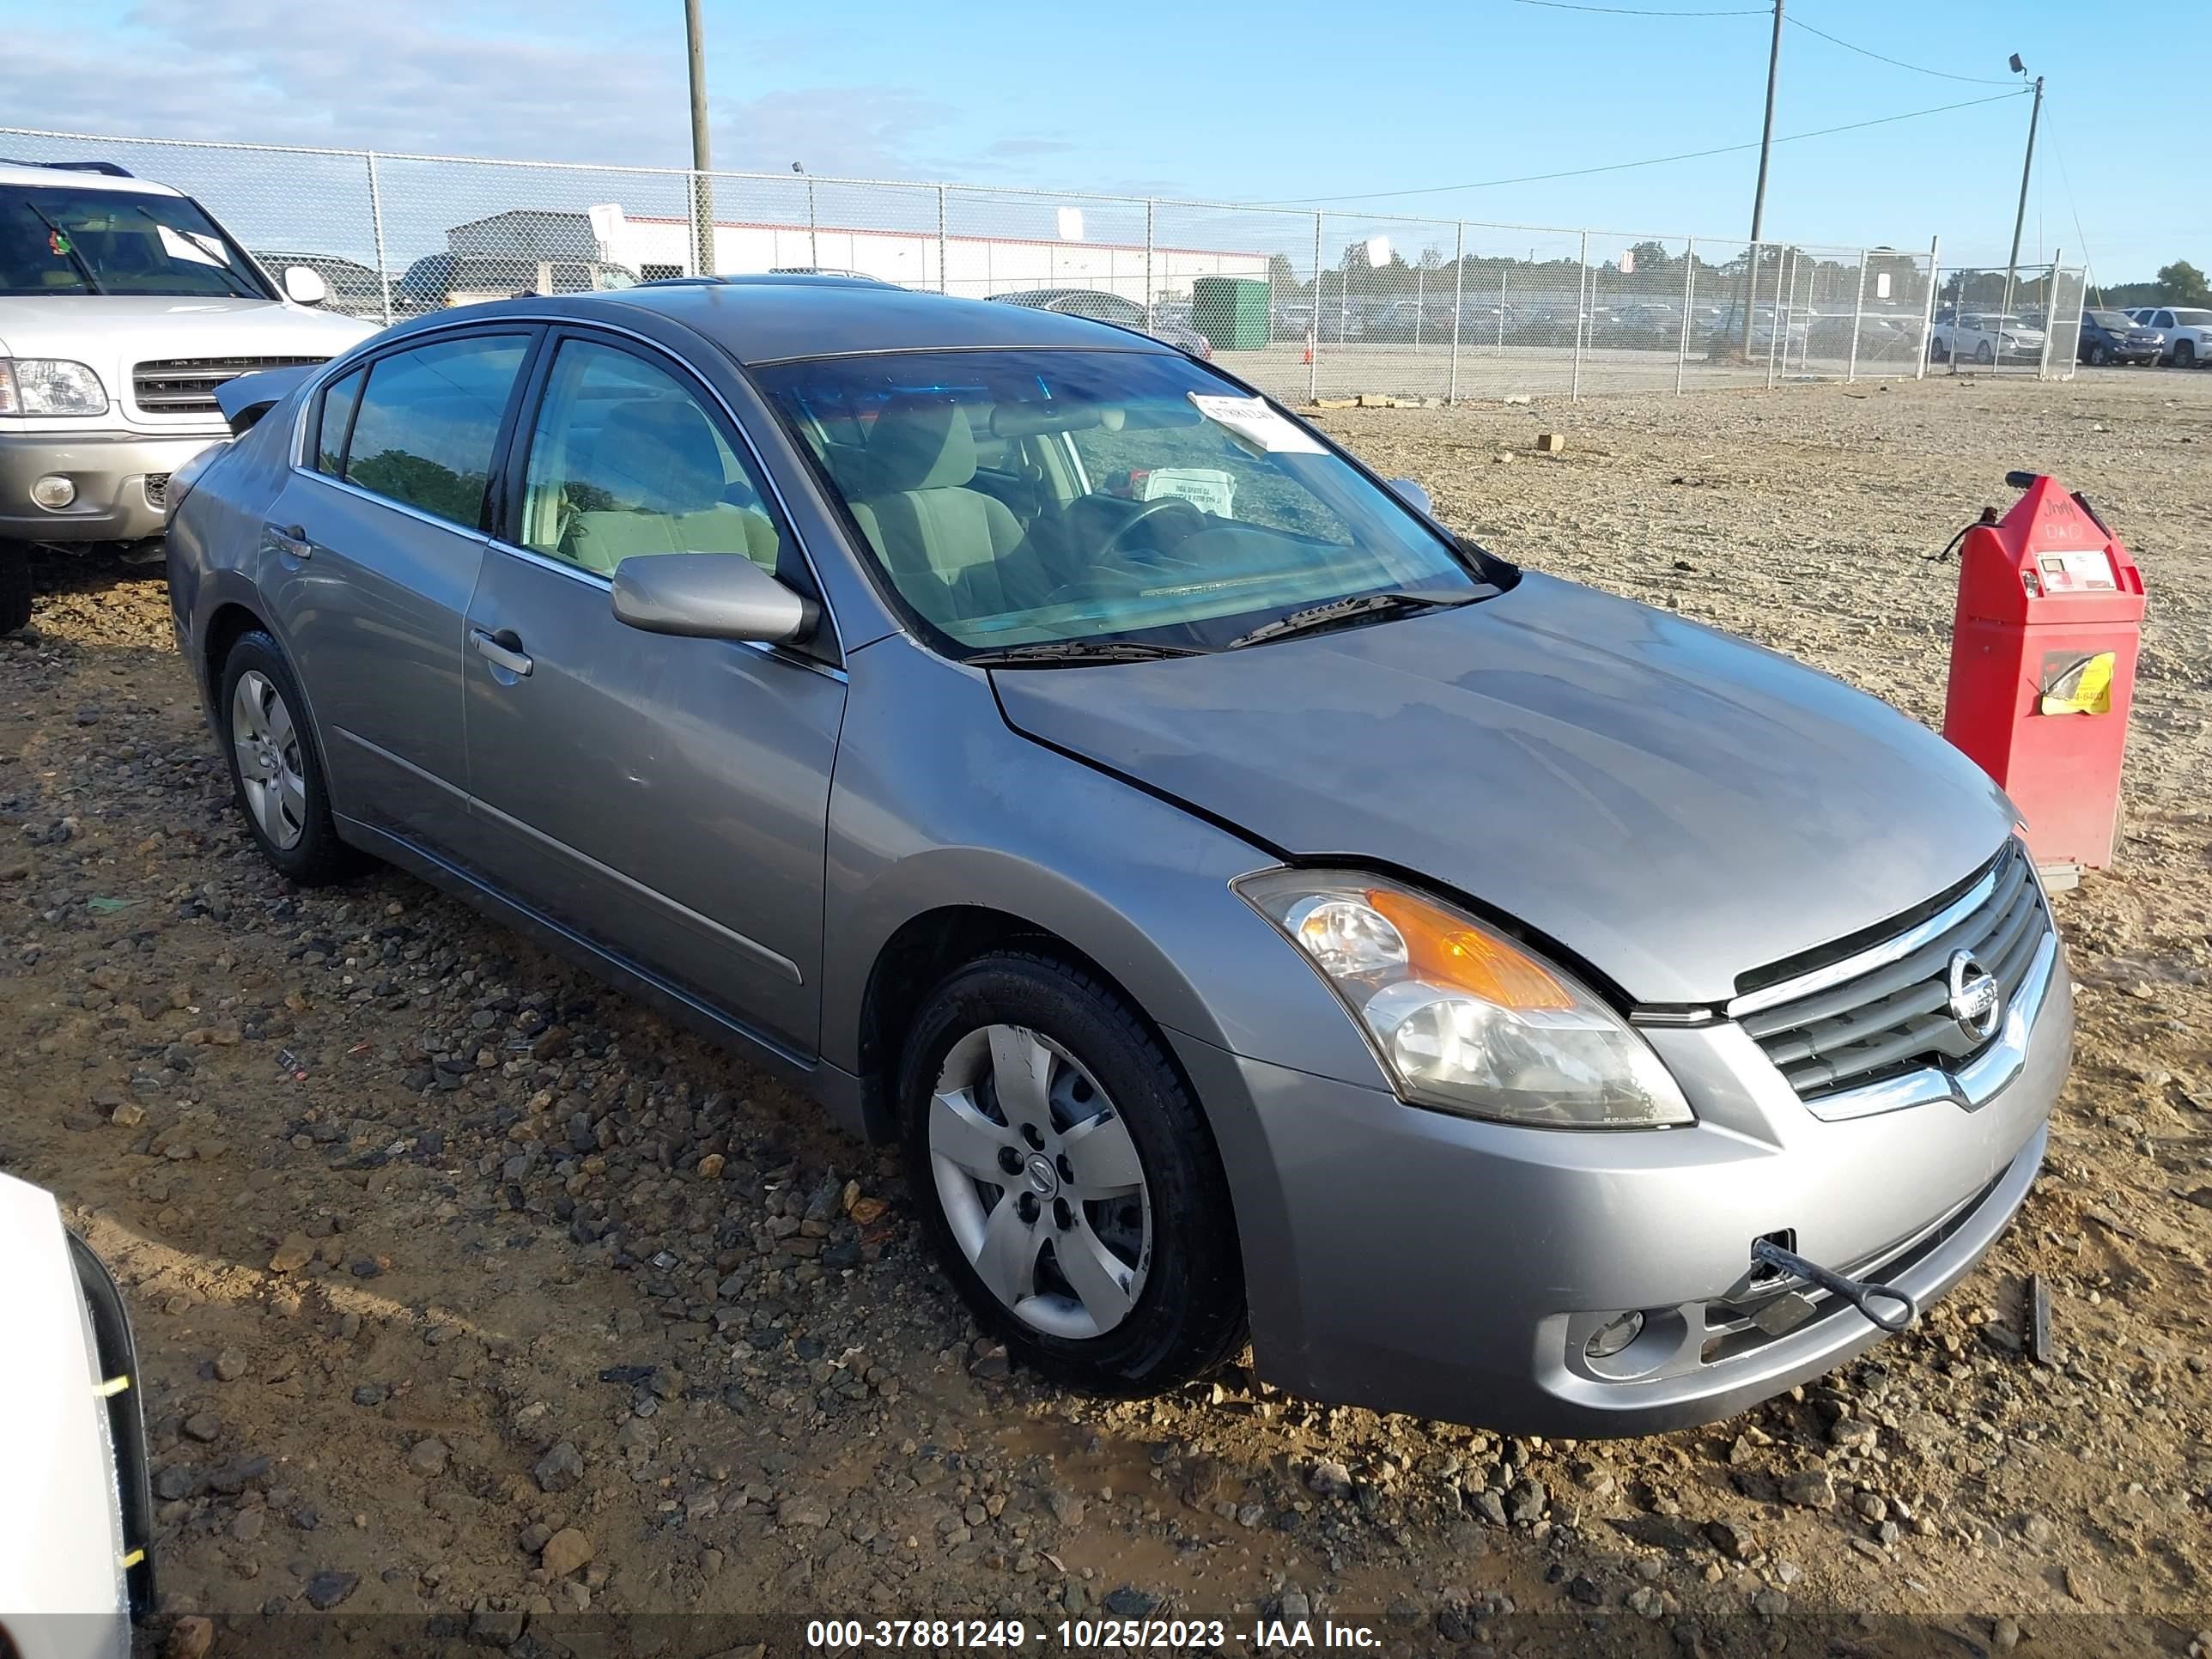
{"points": [[2113, 337]]}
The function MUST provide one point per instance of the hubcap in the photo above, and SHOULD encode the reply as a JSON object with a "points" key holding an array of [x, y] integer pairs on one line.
{"points": [[267, 745], [1040, 1181]]}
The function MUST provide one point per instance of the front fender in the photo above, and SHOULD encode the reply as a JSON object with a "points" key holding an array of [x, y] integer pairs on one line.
{"points": [[938, 803]]}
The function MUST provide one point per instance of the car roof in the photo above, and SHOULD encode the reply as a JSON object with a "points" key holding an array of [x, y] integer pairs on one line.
{"points": [[762, 318], [13, 173]]}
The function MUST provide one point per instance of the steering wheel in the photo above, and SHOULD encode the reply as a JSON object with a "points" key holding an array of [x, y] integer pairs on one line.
{"points": [[1111, 547]]}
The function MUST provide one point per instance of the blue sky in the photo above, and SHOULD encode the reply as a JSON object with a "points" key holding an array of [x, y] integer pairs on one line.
{"points": [[1285, 102]]}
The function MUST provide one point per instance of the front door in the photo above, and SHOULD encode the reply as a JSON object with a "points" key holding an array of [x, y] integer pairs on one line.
{"points": [[666, 798], [368, 559]]}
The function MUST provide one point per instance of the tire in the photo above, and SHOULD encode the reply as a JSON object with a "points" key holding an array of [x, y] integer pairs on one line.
{"points": [[1985, 354], [276, 768], [2185, 354], [14, 588], [2099, 356], [1937, 351], [1163, 1286]]}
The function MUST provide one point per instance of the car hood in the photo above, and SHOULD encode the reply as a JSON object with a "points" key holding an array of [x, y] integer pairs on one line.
{"points": [[1674, 805], [112, 332]]}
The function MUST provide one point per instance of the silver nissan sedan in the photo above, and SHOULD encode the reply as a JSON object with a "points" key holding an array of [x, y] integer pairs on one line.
{"points": [[1252, 908]]}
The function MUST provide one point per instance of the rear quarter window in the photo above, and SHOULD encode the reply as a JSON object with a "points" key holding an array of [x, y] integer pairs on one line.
{"points": [[428, 421]]}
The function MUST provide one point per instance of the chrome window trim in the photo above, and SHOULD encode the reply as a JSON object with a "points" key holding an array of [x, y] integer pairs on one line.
{"points": [[1974, 1084], [1875, 955], [314, 389]]}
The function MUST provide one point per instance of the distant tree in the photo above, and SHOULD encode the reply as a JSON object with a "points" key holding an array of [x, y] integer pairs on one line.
{"points": [[2182, 284]]}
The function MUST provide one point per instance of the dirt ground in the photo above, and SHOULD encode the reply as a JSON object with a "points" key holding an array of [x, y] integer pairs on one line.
{"points": [[470, 1294]]}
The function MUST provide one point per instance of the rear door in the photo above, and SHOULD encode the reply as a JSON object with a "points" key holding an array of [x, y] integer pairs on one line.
{"points": [[666, 798], [369, 557]]}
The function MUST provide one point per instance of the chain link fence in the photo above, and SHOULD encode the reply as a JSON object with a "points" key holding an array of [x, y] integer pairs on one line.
{"points": [[1309, 306], [2023, 320]]}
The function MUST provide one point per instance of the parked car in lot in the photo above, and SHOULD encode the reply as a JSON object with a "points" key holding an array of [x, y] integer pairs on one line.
{"points": [[2188, 330], [1977, 338], [439, 280], [349, 287], [2114, 337], [76, 1530], [1218, 892], [1767, 336], [123, 305], [1111, 308]]}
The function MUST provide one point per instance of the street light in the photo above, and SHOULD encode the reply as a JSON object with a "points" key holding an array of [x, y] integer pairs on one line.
{"points": [[813, 242]]}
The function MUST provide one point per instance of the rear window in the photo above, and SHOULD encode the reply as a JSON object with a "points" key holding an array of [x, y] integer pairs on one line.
{"points": [[428, 420]]}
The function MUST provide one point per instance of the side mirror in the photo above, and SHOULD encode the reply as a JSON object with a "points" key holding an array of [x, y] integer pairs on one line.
{"points": [[304, 285], [709, 596], [1413, 496]]}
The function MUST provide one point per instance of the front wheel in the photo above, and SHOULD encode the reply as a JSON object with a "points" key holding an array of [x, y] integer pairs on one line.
{"points": [[2099, 356], [1067, 1179], [1937, 351], [1985, 354], [14, 588], [2185, 354]]}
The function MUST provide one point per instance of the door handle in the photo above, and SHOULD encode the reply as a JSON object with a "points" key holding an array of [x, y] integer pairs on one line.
{"points": [[501, 650], [291, 540]]}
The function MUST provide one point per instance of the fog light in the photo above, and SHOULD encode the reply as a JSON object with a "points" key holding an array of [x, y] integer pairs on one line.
{"points": [[54, 491], [1610, 1338]]}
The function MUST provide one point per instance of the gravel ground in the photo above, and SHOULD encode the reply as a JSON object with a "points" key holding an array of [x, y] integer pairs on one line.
{"points": [[469, 1291]]}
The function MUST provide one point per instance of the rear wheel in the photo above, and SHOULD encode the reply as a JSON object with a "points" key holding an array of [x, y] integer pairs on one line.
{"points": [[14, 586], [1937, 351], [1068, 1181], [274, 770]]}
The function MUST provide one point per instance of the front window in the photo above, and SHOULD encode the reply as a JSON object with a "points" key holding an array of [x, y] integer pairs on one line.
{"points": [[2192, 318], [1032, 498], [2111, 319], [68, 240]]}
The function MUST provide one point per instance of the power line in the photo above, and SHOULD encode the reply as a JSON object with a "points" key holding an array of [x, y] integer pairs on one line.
{"points": [[2058, 153], [1895, 62], [1639, 11], [1648, 162]]}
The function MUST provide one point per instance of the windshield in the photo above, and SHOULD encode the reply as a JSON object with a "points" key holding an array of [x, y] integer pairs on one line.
{"points": [[2192, 318], [81, 241], [2112, 319], [1031, 497]]}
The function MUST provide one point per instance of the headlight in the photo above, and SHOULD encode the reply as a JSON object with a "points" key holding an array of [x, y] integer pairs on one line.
{"points": [[1463, 1019], [48, 386]]}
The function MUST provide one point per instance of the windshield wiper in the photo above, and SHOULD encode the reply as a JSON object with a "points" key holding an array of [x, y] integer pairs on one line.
{"points": [[1332, 611], [1047, 654], [61, 244]]}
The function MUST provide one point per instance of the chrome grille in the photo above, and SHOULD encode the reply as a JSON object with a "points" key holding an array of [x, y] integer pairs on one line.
{"points": [[1895, 1015], [185, 385]]}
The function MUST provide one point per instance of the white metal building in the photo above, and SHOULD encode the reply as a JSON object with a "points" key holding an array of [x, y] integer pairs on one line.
{"points": [[974, 266]]}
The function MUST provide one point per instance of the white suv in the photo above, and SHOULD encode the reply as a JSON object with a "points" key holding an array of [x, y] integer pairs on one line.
{"points": [[123, 305], [2188, 330]]}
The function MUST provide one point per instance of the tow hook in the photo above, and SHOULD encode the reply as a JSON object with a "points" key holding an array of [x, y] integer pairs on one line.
{"points": [[1766, 1253]]}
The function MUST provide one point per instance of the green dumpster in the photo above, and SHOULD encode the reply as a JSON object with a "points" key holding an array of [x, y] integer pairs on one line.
{"points": [[1231, 311]]}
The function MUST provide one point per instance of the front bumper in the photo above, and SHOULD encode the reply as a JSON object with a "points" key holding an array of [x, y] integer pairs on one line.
{"points": [[112, 472], [1414, 1261]]}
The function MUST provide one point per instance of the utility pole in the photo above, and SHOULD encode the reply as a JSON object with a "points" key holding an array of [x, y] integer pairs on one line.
{"points": [[702, 192], [1758, 196], [2020, 218]]}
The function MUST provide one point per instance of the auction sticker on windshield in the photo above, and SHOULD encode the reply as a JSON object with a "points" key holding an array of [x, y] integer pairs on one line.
{"points": [[1255, 426]]}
